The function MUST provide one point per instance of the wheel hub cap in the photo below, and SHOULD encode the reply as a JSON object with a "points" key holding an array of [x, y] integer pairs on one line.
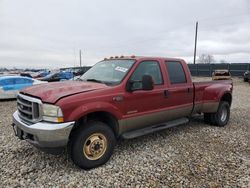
{"points": [[95, 146], [223, 114]]}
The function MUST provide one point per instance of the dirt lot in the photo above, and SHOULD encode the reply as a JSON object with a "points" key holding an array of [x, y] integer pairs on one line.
{"points": [[193, 155]]}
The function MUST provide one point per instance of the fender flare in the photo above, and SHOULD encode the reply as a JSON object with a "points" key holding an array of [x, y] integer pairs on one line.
{"points": [[86, 109]]}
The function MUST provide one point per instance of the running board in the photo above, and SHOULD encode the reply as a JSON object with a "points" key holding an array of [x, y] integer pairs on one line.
{"points": [[154, 128]]}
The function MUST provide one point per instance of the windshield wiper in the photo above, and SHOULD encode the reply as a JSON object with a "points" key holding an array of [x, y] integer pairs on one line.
{"points": [[94, 80]]}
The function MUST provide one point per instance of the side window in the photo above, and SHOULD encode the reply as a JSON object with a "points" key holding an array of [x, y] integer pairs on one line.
{"points": [[176, 72], [150, 68], [56, 76], [9, 81], [27, 81], [19, 81]]}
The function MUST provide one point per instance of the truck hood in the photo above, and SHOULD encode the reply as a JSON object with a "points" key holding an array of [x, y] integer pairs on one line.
{"points": [[52, 92]]}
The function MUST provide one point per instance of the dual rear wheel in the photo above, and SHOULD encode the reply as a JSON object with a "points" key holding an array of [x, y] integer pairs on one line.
{"points": [[221, 117]]}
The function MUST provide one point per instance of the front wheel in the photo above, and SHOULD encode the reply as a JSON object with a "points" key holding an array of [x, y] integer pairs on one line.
{"points": [[92, 145]]}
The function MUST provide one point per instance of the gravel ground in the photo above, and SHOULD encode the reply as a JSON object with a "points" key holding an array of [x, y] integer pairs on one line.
{"points": [[193, 155]]}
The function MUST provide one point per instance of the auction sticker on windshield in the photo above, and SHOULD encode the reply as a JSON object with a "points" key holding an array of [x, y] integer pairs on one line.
{"points": [[122, 69]]}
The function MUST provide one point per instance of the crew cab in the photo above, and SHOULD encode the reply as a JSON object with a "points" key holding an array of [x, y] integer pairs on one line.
{"points": [[119, 97]]}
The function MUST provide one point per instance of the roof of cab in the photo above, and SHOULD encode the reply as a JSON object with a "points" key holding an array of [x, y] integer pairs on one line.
{"points": [[6, 77], [143, 58]]}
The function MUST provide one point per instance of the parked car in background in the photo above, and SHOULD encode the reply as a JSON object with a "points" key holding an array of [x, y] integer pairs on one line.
{"points": [[59, 76], [247, 76], [222, 74], [25, 74], [42, 74], [10, 85]]}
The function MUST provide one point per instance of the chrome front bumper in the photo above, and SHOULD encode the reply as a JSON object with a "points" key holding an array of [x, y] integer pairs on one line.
{"points": [[43, 134]]}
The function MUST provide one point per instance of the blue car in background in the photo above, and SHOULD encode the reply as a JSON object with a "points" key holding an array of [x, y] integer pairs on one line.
{"points": [[11, 85], [59, 76]]}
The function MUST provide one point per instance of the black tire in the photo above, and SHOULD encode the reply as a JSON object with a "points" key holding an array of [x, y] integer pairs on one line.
{"points": [[207, 118], [79, 141], [218, 119], [245, 80], [221, 117]]}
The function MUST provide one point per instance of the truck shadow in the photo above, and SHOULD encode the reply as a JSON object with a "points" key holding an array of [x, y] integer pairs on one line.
{"points": [[7, 100]]}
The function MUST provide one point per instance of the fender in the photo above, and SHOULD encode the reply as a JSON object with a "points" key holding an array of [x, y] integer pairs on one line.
{"points": [[212, 96], [214, 92], [85, 109]]}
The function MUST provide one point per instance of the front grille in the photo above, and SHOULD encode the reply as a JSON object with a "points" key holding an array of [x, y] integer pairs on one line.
{"points": [[29, 109]]}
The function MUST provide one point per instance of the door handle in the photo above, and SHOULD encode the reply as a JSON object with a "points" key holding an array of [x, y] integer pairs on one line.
{"points": [[166, 93], [189, 90]]}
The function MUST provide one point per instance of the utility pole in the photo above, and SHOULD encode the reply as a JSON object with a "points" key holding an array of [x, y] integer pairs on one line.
{"points": [[195, 41], [80, 58]]}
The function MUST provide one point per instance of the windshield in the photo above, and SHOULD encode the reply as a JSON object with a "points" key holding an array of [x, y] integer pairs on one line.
{"points": [[110, 72], [51, 75]]}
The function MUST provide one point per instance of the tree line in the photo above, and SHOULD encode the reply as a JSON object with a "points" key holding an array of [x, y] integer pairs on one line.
{"points": [[208, 59]]}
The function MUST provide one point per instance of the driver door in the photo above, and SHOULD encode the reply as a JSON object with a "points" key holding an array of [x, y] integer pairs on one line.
{"points": [[141, 107]]}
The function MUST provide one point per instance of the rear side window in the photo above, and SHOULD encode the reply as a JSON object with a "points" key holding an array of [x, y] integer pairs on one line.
{"points": [[176, 72]]}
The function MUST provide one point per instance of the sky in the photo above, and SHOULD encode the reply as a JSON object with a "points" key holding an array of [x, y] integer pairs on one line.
{"points": [[49, 33]]}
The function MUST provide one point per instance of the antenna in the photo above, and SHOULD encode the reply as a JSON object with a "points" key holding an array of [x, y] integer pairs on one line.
{"points": [[195, 41]]}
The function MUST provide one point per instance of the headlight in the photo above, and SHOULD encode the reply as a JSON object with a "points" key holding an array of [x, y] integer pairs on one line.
{"points": [[52, 113]]}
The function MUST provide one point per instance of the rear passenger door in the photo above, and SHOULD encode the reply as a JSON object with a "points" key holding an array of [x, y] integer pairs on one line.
{"points": [[180, 90]]}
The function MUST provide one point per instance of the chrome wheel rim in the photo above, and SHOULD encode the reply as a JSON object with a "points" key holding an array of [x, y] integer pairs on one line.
{"points": [[223, 114], [95, 146]]}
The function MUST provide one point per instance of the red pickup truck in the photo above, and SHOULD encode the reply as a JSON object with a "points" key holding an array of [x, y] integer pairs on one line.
{"points": [[119, 97]]}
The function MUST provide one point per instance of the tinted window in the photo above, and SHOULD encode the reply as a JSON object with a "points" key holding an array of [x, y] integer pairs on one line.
{"points": [[176, 73], [57, 75], [23, 81], [9, 81], [151, 68], [27, 81], [19, 81]]}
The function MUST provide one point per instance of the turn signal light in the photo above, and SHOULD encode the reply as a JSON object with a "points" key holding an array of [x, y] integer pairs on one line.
{"points": [[60, 120]]}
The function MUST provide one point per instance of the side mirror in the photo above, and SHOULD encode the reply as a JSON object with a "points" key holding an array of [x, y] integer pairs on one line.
{"points": [[129, 86], [147, 82]]}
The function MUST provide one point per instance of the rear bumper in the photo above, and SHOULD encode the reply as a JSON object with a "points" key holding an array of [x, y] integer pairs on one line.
{"points": [[43, 134]]}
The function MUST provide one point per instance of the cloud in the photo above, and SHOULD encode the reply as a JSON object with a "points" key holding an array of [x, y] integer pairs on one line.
{"points": [[50, 33]]}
